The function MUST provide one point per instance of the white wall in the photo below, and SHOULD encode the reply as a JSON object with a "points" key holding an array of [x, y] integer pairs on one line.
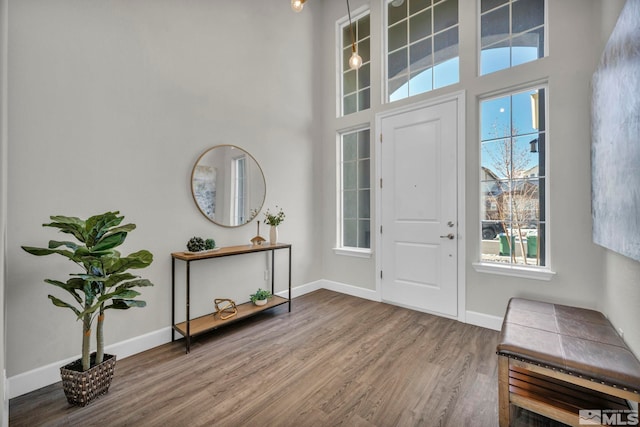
{"points": [[110, 104], [574, 50]]}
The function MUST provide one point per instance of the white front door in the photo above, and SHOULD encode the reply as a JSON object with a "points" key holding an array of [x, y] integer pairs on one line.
{"points": [[418, 208]]}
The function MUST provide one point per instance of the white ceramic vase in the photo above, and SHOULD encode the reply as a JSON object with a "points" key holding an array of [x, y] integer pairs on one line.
{"points": [[273, 234], [260, 302]]}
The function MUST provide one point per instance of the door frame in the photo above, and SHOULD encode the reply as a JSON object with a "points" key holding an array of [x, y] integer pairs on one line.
{"points": [[460, 98]]}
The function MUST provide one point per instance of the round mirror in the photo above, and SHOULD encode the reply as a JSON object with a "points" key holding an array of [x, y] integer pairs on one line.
{"points": [[228, 185]]}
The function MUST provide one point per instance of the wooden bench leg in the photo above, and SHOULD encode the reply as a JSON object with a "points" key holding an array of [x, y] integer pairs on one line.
{"points": [[504, 407]]}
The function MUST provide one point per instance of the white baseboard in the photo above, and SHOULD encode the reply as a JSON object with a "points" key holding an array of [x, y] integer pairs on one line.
{"points": [[484, 320], [41, 377], [26, 382], [355, 291]]}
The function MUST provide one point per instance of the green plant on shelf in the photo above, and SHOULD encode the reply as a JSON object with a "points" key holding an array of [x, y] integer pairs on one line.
{"points": [[260, 295]]}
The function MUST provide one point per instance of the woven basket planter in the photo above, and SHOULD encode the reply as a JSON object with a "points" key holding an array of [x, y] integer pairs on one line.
{"points": [[83, 387]]}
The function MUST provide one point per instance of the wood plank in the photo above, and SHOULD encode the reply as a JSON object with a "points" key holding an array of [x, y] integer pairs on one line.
{"points": [[209, 322]]}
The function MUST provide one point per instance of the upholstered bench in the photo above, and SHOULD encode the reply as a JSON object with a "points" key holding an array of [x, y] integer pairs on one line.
{"points": [[557, 361]]}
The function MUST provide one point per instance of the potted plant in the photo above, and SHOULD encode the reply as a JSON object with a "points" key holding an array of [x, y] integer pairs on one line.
{"points": [[102, 283], [274, 220], [260, 297]]}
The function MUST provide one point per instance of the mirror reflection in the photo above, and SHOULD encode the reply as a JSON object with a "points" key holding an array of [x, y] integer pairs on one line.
{"points": [[228, 185]]}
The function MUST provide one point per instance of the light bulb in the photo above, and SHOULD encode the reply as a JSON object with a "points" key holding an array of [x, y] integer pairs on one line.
{"points": [[297, 5], [355, 61]]}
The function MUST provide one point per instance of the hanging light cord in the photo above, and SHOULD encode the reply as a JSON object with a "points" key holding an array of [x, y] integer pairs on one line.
{"points": [[353, 41]]}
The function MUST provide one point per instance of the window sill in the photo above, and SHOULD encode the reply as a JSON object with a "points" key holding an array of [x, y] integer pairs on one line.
{"points": [[514, 271], [354, 252]]}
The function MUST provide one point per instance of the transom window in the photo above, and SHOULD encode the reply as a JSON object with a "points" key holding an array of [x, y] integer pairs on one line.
{"points": [[422, 46], [513, 178], [355, 166], [511, 33], [356, 84]]}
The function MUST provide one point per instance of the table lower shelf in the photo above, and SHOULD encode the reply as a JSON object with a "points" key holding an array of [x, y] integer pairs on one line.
{"points": [[208, 322]]}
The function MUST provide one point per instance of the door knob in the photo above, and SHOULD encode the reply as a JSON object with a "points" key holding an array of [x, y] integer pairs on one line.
{"points": [[449, 236]]}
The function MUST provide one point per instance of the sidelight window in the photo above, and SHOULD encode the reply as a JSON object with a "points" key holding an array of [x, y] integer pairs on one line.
{"points": [[355, 185]]}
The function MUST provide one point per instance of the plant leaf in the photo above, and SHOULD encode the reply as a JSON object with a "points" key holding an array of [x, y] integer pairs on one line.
{"points": [[98, 225], [72, 286], [122, 304], [56, 244], [70, 225], [135, 283], [59, 303], [109, 242], [140, 259]]}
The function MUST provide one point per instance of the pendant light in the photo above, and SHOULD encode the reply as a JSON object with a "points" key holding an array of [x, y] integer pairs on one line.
{"points": [[297, 5], [355, 61]]}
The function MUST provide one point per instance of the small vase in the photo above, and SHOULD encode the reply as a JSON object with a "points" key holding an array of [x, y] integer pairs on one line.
{"points": [[260, 302], [273, 234]]}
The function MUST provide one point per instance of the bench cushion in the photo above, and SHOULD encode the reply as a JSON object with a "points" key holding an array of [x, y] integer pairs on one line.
{"points": [[573, 340]]}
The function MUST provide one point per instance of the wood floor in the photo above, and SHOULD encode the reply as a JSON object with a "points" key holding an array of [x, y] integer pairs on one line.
{"points": [[334, 360]]}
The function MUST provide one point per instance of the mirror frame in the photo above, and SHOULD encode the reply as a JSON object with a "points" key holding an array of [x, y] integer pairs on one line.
{"points": [[249, 156]]}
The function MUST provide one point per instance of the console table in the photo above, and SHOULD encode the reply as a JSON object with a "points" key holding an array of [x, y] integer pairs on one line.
{"points": [[192, 327]]}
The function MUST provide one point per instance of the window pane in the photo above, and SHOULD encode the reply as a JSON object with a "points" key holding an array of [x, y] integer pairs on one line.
{"points": [[363, 28], [350, 104], [349, 175], [420, 54], [398, 88], [364, 234], [416, 6], [445, 45], [349, 204], [396, 13], [523, 118], [349, 81], [446, 73], [349, 147], [346, 36], [496, 158], [527, 15], [363, 174], [364, 99], [363, 144], [495, 26], [420, 26], [363, 204], [495, 115], [490, 4], [363, 50], [527, 47], [397, 36], [350, 233], [421, 82], [398, 63], [495, 58], [445, 15]]}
